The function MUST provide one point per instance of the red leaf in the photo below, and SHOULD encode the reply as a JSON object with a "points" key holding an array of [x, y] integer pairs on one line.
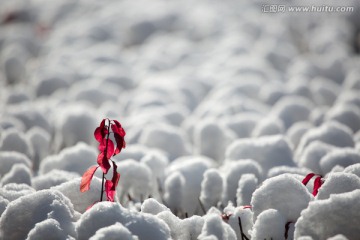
{"points": [[116, 176], [101, 131], [317, 185], [120, 143], [86, 178], [110, 192], [110, 147], [103, 162], [118, 129], [307, 178], [119, 134]]}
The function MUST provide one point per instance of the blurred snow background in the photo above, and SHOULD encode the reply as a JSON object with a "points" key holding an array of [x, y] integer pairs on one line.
{"points": [[224, 106]]}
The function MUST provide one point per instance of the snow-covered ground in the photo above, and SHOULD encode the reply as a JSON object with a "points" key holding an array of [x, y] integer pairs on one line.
{"points": [[226, 107]]}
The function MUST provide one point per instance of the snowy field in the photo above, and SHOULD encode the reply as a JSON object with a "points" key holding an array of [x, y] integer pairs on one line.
{"points": [[227, 107]]}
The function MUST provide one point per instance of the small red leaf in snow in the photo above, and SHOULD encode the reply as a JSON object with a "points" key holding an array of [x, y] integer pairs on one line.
{"points": [[119, 134], [307, 178], [110, 147], [103, 162], [116, 176], [117, 128], [101, 131], [317, 185], [86, 178], [110, 192]]}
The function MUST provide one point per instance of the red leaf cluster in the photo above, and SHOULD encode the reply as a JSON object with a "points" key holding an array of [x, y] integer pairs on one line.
{"points": [[317, 182], [107, 150]]}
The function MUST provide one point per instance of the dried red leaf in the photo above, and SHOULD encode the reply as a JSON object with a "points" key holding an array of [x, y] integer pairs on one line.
{"points": [[86, 178], [108, 146], [225, 217], [109, 190], [119, 134], [307, 178], [317, 185], [117, 128], [101, 131], [116, 176], [103, 162]]}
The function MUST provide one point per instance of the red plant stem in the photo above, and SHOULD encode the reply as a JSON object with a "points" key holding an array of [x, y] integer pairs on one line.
{"points": [[105, 155]]}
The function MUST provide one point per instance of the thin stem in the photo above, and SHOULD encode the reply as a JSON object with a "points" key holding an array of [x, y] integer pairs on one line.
{"points": [[105, 155], [243, 236], [202, 206], [102, 187]]}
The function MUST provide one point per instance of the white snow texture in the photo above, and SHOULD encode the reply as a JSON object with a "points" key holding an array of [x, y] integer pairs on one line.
{"points": [[226, 107]]}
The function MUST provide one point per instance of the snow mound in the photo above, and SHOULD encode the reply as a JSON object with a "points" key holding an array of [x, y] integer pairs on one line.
{"points": [[52, 178], [338, 183], [13, 191], [292, 109], [19, 173], [270, 224], [246, 187], [13, 140], [136, 180], [81, 201], [269, 152], [47, 229], [211, 139], [143, 225], [22, 214], [355, 169], [232, 173], [77, 159], [343, 157], [152, 206], [192, 169], [211, 188], [315, 221], [330, 132], [9, 159], [214, 226], [283, 193], [166, 138], [313, 154], [113, 232]]}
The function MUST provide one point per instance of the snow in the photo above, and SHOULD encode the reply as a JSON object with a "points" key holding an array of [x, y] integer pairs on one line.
{"points": [[166, 138], [76, 159], [22, 215], [19, 173], [214, 226], [233, 172], [269, 224], [13, 140], [225, 113], [269, 151], [49, 228], [53, 178], [211, 188], [104, 214], [246, 187], [339, 182], [13, 191], [290, 203], [316, 221], [113, 232]]}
